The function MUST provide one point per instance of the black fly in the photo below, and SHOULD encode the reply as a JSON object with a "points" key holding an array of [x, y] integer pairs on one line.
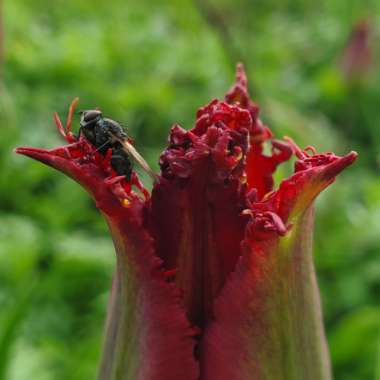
{"points": [[105, 134]]}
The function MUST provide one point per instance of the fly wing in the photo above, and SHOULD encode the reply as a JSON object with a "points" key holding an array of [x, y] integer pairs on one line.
{"points": [[131, 150]]}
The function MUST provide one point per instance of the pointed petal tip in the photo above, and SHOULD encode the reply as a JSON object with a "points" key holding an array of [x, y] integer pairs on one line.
{"points": [[240, 68], [59, 157], [36, 153], [353, 154], [333, 169], [351, 157], [241, 75]]}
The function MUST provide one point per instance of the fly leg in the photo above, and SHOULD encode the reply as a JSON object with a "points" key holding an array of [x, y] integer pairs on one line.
{"points": [[66, 131]]}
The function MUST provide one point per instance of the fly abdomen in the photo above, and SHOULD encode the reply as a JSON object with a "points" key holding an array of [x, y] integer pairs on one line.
{"points": [[120, 162]]}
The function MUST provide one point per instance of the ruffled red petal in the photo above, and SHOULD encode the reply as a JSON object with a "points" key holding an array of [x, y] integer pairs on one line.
{"points": [[271, 303], [259, 167], [148, 334], [196, 206]]}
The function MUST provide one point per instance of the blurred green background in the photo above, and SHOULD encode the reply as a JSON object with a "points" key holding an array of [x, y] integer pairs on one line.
{"points": [[313, 68]]}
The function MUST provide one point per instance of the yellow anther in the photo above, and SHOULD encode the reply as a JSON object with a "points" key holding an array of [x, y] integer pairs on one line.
{"points": [[125, 202], [243, 179]]}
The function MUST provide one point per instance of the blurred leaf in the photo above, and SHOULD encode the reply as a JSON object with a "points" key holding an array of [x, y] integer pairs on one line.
{"points": [[354, 343]]}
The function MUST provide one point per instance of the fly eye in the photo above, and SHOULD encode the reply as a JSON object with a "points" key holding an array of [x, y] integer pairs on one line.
{"points": [[91, 115]]}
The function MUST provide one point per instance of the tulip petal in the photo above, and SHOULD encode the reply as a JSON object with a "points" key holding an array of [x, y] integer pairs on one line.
{"points": [[196, 206], [268, 322], [198, 230], [260, 167], [148, 336]]}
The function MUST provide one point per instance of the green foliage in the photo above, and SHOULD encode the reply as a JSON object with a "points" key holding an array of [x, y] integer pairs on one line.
{"points": [[150, 64]]}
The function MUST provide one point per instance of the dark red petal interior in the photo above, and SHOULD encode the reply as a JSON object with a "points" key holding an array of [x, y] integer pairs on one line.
{"points": [[198, 229], [196, 206]]}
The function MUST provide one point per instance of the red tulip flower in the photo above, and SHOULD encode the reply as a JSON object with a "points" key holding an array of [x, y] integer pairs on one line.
{"points": [[215, 277]]}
